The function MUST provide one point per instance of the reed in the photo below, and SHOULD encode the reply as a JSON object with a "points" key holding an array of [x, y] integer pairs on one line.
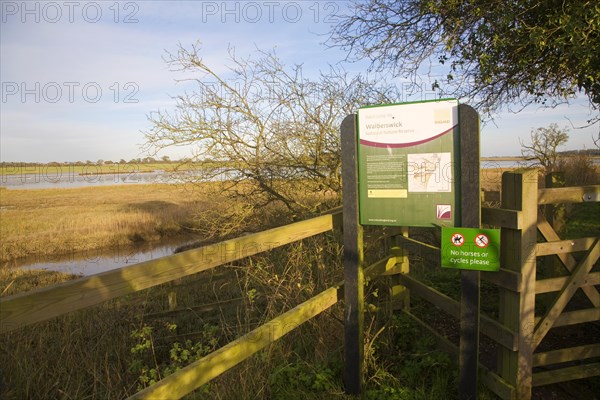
{"points": [[57, 221]]}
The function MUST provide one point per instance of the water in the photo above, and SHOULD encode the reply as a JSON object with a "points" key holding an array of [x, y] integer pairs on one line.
{"points": [[95, 261], [47, 177]]}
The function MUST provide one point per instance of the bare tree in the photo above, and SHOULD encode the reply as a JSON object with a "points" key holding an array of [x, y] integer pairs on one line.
{"points": [[270, 131], [543, 146]]}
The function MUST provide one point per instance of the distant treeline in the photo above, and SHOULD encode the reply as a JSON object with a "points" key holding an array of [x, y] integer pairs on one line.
{"points": [[167, 160], [145, 160], [586, 152]]}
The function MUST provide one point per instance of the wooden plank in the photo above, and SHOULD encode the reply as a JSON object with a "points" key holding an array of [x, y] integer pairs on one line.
{"points": [[417, 246], [520, 193], [207, 368], [489, 327], [578, 317], [512, 219], [433, 296], [571, 285], [496, 384], [380, 267], [567, 259], [566, 355], [46, 303], [575, 317], [353, 259], [566, 374], [568, 194], [442, 342], [556, 284], [493, 381], [201, 308], [400, 295], [505, 279], [564, 246], [470, 206]]}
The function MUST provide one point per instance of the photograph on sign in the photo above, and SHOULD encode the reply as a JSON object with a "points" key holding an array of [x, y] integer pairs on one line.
{"points": [[407, 164], [471, 248]]}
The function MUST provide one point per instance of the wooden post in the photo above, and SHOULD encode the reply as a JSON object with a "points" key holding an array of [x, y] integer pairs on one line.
{"points": [[517, 253], [353, 261], [470, 206], [399, 294]]}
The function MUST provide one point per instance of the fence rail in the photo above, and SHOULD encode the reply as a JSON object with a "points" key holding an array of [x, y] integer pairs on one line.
{"points": [[25, 309], [519, 331]]}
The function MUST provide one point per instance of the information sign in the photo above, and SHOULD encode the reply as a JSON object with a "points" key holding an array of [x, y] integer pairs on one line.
{"points": [[408, 164], [471, 248]]}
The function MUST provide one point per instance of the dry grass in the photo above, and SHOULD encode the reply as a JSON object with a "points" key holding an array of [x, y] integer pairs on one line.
{"points": [[55, 221]]}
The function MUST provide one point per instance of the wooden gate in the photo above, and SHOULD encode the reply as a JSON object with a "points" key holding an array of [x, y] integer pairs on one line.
{"points": [[521, 325]]}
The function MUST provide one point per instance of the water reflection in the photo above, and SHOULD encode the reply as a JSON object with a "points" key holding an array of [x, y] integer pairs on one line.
{"points": [[95, 261]]}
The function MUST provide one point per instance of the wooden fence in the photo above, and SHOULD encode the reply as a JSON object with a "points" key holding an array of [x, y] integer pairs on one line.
{"points": [[28, 308], [518, 331], [520, 327]]}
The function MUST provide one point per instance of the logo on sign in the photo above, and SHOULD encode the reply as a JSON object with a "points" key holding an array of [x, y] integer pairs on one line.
{"points": [[443, 211]]}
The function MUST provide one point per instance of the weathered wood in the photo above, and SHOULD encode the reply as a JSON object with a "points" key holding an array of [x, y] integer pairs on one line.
{"points": [[567, 195], [571, 285], [46, 303], [207, 368], [353, 259], [519, 192], [564, 246], [406, 241], [398, 294], [489, 327], [380, 267], [556, 284], [505, 279], [496, 384], [502, 218], [441, 341], [566, 355], [566, 374], [577, 317], [567, 259], [470, 217], [493, 381], [197, 309]]}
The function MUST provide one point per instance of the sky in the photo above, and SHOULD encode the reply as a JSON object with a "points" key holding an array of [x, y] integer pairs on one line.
{"points": [[80, 78]]}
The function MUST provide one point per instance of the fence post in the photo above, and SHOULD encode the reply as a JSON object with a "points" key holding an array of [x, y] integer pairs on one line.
{"points": [[517, 309], [470, 213], [399, 295], [353, 261]]}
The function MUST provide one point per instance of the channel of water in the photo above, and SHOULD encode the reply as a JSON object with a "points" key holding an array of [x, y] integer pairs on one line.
{"points": [[100, 260]]}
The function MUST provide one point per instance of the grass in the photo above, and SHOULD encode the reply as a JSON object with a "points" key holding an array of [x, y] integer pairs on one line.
{"points": [[121, 346], [54, 221]]}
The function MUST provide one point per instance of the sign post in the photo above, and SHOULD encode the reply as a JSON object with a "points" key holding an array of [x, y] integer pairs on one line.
{"points": [[352, 262], [470, 203], [412, 164]]}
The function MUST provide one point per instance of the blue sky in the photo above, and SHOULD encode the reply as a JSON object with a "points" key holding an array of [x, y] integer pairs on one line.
{"points": [[79, 78]]}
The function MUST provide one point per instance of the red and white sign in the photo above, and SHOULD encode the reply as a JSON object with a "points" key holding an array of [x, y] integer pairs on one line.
{"points": [[458, 239], [482, 240]]}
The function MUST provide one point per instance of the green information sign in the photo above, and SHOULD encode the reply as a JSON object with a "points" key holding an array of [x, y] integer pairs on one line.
{"points": [[471, 248], [408, 165]]}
